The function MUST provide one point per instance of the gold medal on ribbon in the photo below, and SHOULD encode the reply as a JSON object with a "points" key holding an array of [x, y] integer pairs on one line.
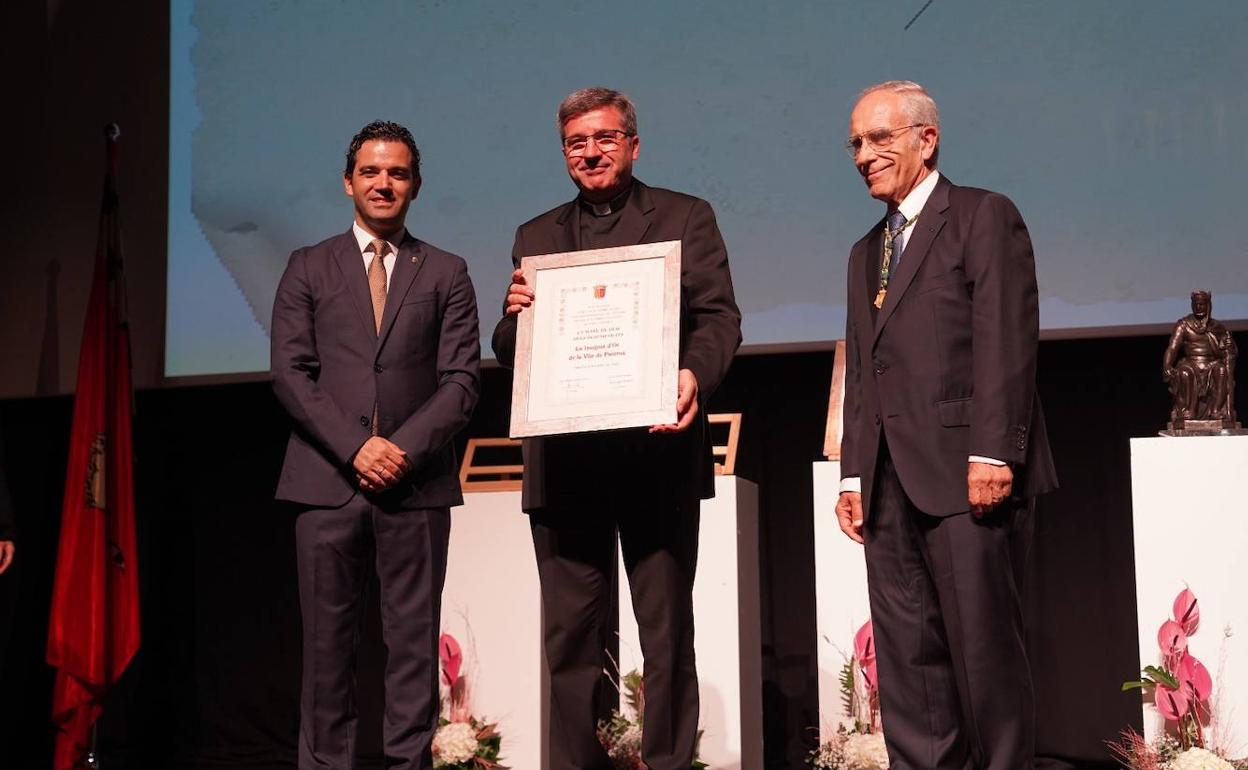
{"points": [[886, 261]]}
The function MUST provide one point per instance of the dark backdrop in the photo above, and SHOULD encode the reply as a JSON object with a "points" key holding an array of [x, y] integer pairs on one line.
{"points": [[215, 681]]}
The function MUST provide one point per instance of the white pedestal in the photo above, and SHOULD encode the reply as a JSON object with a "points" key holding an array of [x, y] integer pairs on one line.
{"points": [[492, 605], [1190, 498], [841, 601], [727, 640]]}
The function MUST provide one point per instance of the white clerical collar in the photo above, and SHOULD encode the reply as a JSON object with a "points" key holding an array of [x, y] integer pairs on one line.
{"points": [[611, 206], [913, 203]]}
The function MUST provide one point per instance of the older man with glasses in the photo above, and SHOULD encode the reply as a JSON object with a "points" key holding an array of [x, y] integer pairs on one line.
{"points": [[643, 485], [945, 447]]}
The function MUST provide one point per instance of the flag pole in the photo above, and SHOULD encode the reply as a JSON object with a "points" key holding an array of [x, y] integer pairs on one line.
{"points": [[92, 760]]}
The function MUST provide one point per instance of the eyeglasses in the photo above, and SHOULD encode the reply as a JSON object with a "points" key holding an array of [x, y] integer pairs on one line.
{"points": [[606, 140], [876, 138]]}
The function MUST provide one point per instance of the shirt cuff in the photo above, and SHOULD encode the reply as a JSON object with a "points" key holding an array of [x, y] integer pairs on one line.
{"points": [[851, 484], [986, 460]]}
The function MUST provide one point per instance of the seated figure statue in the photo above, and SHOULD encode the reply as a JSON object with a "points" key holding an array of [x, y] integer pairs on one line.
{"points": [[1200, 367]]}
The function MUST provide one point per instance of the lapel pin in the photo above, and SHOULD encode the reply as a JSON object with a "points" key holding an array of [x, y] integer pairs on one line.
{"points": [[413, 259]]}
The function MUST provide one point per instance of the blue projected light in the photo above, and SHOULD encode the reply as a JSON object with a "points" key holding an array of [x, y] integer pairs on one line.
{"points": [[1115, 128]]}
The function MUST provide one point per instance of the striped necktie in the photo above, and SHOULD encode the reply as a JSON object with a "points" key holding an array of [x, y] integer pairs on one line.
{"points": [[897, 226]]}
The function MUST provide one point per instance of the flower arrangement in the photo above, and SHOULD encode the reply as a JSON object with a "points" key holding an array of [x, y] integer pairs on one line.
{"points": [[462, 742], [621, 734], [1181, 688], [860, 746]]}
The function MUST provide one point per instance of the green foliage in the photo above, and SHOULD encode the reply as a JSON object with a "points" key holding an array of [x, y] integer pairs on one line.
{"points": [[1151, 676], [490, 747], [620, 735], [632, 691], [1167, 749], [1162, 676], [847, 686]]}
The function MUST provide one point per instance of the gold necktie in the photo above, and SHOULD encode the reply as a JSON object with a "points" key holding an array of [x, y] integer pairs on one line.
{"points": [[377, 278], [377, 288]]}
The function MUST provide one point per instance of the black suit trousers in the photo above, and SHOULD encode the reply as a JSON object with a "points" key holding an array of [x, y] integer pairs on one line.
{"points": [[955, 683], [336, 550], [576, 561]]}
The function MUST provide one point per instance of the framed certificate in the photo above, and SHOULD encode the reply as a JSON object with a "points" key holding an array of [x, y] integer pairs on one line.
{"points": [[599, 349]]}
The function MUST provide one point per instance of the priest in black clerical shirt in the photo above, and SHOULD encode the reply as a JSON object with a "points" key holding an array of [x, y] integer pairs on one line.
{"points": [[643, 485]]}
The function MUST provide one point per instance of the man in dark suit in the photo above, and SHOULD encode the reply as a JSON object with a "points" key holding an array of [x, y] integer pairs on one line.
{"points": [[376, 357], [944, 446], [645, 485]]}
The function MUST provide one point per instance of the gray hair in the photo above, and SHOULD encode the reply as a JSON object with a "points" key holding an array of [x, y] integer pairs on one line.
{"points": [[916, 102], [917, 105], [589, 99]]}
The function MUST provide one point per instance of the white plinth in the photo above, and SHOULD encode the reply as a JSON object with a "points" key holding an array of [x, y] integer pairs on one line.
{"points": [[1190, 501], [492, 605], [841, 601], [727, 640]]}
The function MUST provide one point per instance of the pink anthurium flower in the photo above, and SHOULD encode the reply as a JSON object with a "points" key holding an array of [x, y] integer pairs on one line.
{"points": [[1194, 678], [1171, 703], [459, 710], [1187, 611], [870, 676], [864, 644], [1171, 639], [452, 658]]}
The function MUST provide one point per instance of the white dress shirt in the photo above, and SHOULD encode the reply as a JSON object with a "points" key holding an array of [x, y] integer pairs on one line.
{"points": [[364, 238]]}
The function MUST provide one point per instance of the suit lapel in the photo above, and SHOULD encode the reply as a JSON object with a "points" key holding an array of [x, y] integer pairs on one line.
{"points": [[930, 222], [351, 263], [407, 264], [871, 266], [635, 219], [567, 237]]}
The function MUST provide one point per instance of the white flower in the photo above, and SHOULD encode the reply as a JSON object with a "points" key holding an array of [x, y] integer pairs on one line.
{"points": [[1199, 759], [632, 736], [454, 743], [828, 756], [628, 743], [865, 751]]}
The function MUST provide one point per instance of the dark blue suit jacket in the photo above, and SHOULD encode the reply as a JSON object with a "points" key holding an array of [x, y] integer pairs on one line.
{"points": [[330, 366], [947, 367]]}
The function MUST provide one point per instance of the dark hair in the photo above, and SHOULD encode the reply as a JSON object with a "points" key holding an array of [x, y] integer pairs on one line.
{"points": [[382, 129], [590, 99]]}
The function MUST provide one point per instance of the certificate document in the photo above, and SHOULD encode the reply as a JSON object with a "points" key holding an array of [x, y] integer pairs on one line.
{"points": [[599, 348]]}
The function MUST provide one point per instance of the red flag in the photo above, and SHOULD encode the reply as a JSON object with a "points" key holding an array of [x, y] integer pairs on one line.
{"points": [[94, 627]]}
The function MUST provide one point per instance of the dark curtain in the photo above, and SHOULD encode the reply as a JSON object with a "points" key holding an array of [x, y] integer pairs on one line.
{"points": [[215, 682]]}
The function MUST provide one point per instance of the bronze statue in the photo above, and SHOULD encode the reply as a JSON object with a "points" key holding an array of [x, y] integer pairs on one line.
{"points": [[1200, 368]]}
